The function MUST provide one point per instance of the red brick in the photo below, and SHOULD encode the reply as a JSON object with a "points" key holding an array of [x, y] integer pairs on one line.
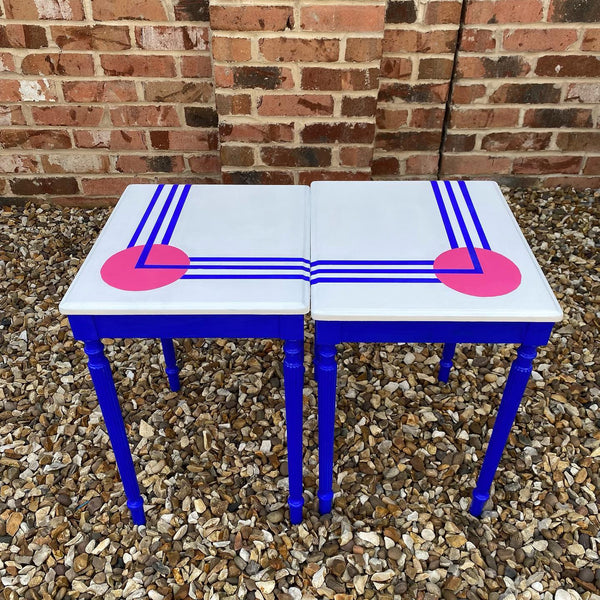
{"points": [[167, 37], [557, 117], [466, 94], [421, 93], [364, 106], [295, 105], [402, 11], [396, 68], [256, 132], [363, 49], [79, 116], [516, 141], [320, 78], [406, 141], [237, 156], [427, 118], [304, 156], [11, 115], [266, 78], [149, 164], [504, 11], [49, 139], [185, 92], [201, 139], [110, 10], [471, 164], [196, 66], [191, 10], [307, 177], [578, 182], [238, 104], [526, 93], [356, 156], [32, 10], [13, 35], [18, 163], [44, 185], [483, 118], [443, 12], [95, 37], [255, 177], [100, 91], [568, 66], [10, 90], [435, 68], [288, 49], [591, 40], [145, 116], [422, 164], [138, 66], [588, 93], [438, 41], [109, 186], [585, 141], [571, 11], [539, 40], [251, 18], [7, 63], [205, 163], [477, 40], [592, 165], [82, 162], [385, 165], [547, 164], [201, 116], [459, 143], [354, 17], [231, 49], [78, 65], [112, 139], [482, 67], [391, 118], [324, 133]]}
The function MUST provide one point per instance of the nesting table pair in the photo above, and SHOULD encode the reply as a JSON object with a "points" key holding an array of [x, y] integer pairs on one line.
{"points": [[414, 261]]}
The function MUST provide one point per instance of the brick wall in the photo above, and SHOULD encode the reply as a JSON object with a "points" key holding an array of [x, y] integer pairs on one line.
{"points": [[95, 94]]}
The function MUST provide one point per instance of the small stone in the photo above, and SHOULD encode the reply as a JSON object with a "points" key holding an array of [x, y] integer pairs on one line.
{"points": [[369, 537], [41, 555], [456, 541], [318, 579], [275, 517], [80, 563], [266, 587], [428, 535], [383, 576], [13, 523], [146, 430]]}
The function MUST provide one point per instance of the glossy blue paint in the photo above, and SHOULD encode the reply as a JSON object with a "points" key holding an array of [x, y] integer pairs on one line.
{"points": [[92, 328], [329, 333]]}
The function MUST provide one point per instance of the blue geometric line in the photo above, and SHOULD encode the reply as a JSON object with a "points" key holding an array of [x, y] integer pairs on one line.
{"points": [[371, 280], [317, 263], [247, 259], [476, 221], [444, 214], [231, 267], [432, 271], [176, 213], [304, 277], [138, 231]]}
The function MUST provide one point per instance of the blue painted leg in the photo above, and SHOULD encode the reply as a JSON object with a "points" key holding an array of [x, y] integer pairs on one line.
{"points": [[511, 399], [293, 372], [109, 403], [446, 362], [171, 363], [327, 369]]}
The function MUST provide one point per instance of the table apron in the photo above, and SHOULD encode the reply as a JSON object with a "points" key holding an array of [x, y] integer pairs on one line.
{"points": [[426, 332], [93, 327]]}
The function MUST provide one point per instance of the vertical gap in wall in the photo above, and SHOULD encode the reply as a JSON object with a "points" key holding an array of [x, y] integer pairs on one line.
{"points": [[448, 110]]}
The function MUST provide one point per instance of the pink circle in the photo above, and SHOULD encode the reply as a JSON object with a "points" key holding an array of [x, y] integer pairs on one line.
{"points": [[500, 275], [120, 269]]}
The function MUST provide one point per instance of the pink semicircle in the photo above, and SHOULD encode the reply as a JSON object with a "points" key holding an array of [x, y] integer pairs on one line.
{"points": [[120, 270], [500, 275]]}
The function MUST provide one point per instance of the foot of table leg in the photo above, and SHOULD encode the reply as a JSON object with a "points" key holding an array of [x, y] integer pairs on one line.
{"points": [[171, 363], [111, 411], [327, 370], [293, 373], [511, 399], [446, 362]]}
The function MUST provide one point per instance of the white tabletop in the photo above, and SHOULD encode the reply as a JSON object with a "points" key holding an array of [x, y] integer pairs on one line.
{"points": [[420, 250], [200, 249]]}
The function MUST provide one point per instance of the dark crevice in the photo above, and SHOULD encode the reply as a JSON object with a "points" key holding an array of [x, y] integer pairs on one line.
{"points": [[448, 109]]}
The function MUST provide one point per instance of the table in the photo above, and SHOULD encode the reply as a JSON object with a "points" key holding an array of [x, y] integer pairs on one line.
{"points": [[423, 262], [197, 261]]}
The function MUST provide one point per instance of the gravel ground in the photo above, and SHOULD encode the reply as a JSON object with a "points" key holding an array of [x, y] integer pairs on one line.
{"points": [[212, 458]]}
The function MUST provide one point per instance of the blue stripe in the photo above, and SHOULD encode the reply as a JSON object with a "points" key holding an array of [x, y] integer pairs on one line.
{"points": [[176, 213], [317, 263], [371, 280], [138, 231], [231, 267], [476, 221], [246, 259], [463, 228], [161, 217], [295, 276], [444, 214], [433, 271]]}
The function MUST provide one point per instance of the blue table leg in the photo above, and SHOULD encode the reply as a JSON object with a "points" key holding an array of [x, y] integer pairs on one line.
{"points": [[293, 373], [327, 370], [446, 362], [511, 399], [109, 403], [171, 363]]}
